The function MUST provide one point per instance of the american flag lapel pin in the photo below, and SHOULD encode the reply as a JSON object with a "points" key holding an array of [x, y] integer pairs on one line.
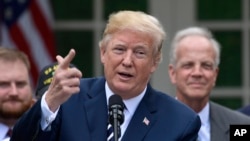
{"points": [[146, 121]]}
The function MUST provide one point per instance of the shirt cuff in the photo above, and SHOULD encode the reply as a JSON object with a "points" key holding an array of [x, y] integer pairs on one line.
{"points": [[47, 115]]}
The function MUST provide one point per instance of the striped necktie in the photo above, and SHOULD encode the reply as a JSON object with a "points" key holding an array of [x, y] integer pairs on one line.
{"points": [[110, 133]]}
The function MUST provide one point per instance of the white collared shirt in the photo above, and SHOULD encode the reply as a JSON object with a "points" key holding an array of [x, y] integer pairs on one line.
{"points": [[3, 131], [204, 132], [131, 105]]}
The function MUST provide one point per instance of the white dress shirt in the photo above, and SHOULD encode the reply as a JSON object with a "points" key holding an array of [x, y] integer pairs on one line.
{"points": [[204, 132], [6, 139], [131, 105], [3, 131]]}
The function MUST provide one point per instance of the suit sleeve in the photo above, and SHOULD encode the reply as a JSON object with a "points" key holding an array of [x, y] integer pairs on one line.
{"points": [[192, 130], [28, 127]]}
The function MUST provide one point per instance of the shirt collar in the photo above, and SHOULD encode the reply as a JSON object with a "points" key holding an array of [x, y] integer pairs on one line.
{"points": [[132, 103], [204, 114], [4, 129]]}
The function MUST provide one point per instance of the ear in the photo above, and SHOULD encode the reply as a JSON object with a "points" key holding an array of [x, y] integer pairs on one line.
{"points": [[155, 63], [154, 67], [172, 73], [216, 75], [102, 54]]}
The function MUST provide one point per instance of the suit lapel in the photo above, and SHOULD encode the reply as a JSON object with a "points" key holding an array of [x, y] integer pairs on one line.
{"points": [[218, 124], [96, 110], [142, 119]]}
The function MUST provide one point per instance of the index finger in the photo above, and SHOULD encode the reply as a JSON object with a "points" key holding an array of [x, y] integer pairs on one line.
{"points": [[65, 62]]}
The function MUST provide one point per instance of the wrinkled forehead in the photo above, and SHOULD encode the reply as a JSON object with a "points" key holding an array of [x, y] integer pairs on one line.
{"points": [[196, 54]]}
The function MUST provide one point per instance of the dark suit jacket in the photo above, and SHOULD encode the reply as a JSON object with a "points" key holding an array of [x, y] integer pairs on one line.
{"points": [[221, 118], [84, 118], [245, 110]]}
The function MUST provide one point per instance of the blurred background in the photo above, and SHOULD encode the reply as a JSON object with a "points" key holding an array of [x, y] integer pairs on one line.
{"points": [[44, 28]]}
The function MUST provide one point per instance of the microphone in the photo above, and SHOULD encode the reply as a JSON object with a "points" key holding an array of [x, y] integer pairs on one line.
{"points": [[116, 116]]}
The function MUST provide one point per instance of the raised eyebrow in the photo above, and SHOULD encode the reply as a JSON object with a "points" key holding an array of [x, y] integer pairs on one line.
{"points": [[119, 46], [118, 43], [141, 47]]}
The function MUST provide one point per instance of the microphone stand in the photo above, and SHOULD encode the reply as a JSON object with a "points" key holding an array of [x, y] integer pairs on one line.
{"points": [[116, 117], [117, 129]]}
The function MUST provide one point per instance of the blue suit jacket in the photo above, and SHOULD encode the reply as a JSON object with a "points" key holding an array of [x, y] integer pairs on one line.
{"points": [[84, 118], [245, 110]]}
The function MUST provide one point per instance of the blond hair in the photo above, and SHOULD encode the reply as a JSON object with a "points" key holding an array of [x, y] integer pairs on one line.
{"points": [[135, 21]]}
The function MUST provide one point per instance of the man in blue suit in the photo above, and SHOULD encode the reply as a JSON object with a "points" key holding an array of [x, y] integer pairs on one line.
{"points": [[75, 109]]}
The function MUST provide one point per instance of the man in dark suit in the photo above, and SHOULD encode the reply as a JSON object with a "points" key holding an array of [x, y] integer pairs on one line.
{"points": [[193, 68], [74, 109], [16, 95]]}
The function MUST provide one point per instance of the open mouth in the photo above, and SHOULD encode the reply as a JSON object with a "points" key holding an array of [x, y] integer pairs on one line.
{"points": [[127, 75]]}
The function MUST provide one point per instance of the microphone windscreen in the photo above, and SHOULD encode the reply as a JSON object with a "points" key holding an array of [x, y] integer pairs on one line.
{"points": [[115, 100]]}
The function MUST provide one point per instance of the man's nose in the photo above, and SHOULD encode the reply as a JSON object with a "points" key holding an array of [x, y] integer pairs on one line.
{"points": [[127, 59], [13, 89]]}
